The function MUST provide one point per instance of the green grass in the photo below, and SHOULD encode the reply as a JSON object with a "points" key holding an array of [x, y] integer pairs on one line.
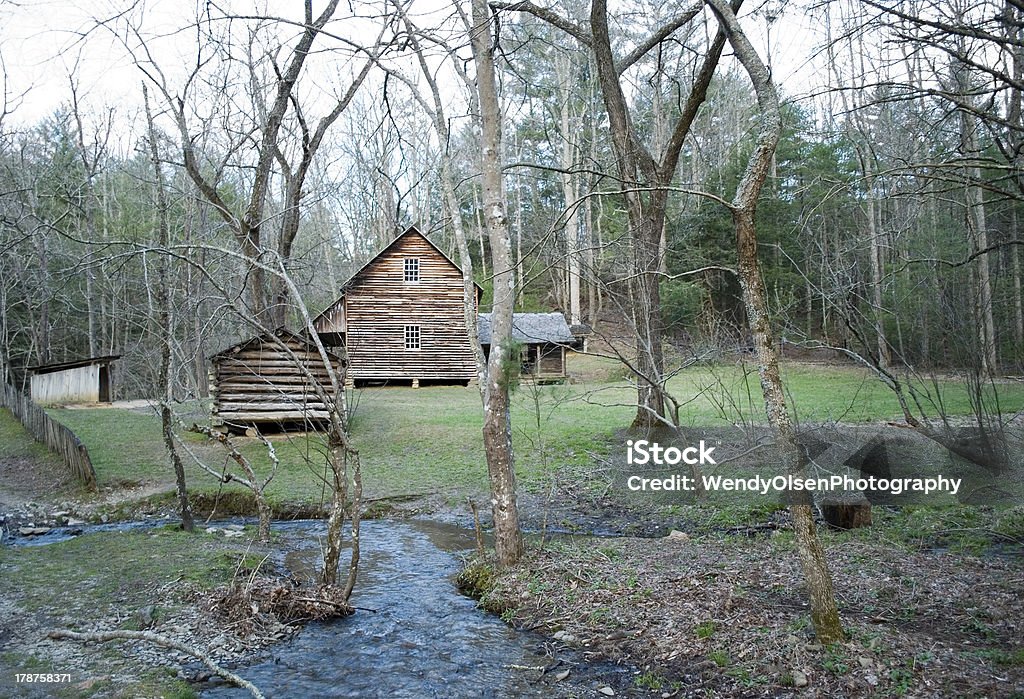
{"points": [[416, 441], [16, 443], [78, 583], [113, 570]]}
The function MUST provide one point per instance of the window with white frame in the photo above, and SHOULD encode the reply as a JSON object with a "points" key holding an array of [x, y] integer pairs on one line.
{"points": [[412, 337], [412, 270]]}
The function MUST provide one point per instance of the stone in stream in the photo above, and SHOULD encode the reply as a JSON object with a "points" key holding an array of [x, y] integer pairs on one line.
{"points": [[33, 531], [607, 691]]}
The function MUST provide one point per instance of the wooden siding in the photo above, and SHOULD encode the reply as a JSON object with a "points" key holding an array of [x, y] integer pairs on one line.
{"points": [[552, 361], [332, 320], [379, 303], [543, 361], [76, 385], [259, 382]]}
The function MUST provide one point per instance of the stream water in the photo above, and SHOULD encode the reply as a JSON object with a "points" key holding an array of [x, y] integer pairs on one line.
{"points": [[424, 639]]}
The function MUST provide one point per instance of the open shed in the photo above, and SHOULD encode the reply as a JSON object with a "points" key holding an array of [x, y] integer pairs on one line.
{"points": [[79, 381], [263, 381], [544, 337]]}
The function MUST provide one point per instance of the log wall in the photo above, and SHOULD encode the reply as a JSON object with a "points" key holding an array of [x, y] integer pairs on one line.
{"points": [[58, 438], [258, 382]]}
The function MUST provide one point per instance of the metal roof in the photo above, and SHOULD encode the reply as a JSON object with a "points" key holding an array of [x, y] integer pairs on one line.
{"points": [[61, 366], [529, 328]]}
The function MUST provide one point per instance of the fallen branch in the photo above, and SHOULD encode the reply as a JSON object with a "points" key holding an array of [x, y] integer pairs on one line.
{"points": [[105, 636]]}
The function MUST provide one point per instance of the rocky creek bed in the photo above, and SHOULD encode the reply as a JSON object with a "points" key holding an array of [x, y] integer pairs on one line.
{"points": [[422, 638]]}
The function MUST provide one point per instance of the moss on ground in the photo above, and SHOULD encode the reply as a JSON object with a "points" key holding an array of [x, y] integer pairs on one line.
{"points": [[103, 579]]}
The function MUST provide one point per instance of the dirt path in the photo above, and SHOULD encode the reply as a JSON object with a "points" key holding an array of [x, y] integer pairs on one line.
{"points": [[27, 478]]}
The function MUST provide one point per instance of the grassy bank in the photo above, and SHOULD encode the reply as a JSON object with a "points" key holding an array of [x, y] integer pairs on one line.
{"points": [[427, 441], [107, 581]]}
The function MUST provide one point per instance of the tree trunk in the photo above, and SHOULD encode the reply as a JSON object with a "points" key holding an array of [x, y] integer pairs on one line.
{"points": [[645, 293], [164, 326], [824, 613], [570, 191], [812, 557], [875, 254], [1018, 297], [336, 516], [497, 429], [978, 231]]}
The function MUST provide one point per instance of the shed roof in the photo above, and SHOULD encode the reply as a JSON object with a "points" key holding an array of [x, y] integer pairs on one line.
{"points": [[61, 366], [280, 334], [529, 328]]}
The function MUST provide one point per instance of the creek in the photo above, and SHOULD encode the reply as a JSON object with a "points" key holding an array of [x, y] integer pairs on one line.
{"points": [[423, 638]]}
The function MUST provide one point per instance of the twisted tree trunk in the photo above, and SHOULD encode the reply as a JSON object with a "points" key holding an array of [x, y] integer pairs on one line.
{"points": [[824, 613]]}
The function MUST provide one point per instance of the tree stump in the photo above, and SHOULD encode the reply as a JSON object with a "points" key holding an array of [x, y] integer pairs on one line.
{"points": [[846, 513]]}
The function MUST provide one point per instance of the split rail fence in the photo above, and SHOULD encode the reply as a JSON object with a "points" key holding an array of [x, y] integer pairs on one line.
{"points": [[53, 434]]}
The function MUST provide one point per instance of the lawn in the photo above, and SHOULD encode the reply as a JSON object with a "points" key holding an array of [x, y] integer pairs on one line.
{"points": [[428, 440]]}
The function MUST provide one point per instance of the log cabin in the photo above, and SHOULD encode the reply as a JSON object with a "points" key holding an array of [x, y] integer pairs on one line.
{"points": [[400, 318], [543, 336], [263, 382]]}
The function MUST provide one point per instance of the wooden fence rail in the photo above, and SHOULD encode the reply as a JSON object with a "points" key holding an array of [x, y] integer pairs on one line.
{"points": [[54, 435]]}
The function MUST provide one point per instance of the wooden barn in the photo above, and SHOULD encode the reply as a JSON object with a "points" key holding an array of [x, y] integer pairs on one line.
{"points": [[257, 382], [400, 318], [544, 337], [81, 381]]}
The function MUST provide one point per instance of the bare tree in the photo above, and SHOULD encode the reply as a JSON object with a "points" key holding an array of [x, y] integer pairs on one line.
{"points": [[645, 177], [497, 408], [164, 322], [266, 128], [743, 208]]}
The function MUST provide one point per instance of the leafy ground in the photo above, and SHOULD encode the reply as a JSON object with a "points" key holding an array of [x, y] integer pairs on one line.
{"points": [[727, 616]]}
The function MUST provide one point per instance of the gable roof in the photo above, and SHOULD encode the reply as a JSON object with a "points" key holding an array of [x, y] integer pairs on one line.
{"points": [[411, 230], [283, 334], [529, 328]]}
